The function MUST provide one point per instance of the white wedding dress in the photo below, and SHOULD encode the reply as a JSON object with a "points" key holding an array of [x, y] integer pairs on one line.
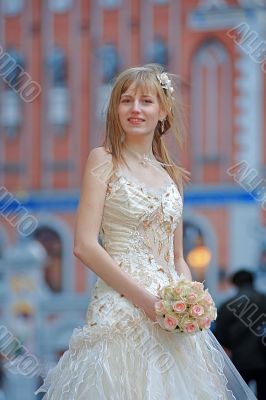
{"points": [[120, 354]]}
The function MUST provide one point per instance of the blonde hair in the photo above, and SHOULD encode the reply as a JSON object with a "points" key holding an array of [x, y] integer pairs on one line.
{"points": [[146, 77]]}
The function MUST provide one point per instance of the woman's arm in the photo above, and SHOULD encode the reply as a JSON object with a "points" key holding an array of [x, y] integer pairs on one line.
{"points": [[180, 264], [86, 246]]}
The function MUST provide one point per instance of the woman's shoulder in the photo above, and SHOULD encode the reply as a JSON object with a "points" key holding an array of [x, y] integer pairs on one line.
{"points": [[101, 163], [100, 154]]}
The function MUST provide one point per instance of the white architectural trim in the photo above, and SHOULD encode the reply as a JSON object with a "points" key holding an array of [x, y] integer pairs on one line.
{"points": [[2, 93], [217, 19], [210, 55], [175, 36], [46, 138], [146, 29], [250, 116], [75, 76], [244, 229], [26, 134]]}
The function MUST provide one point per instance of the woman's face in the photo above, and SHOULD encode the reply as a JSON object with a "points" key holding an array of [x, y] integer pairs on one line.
{"points": [[139, 111]]}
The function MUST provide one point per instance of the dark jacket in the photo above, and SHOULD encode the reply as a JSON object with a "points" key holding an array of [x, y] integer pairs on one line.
{"points": [[241, 327]]}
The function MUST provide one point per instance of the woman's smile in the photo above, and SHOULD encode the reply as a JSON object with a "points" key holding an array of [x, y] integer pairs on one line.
{"points": [[136, 121]]}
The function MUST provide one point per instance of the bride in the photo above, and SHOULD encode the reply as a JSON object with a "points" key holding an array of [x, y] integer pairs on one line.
{"points": [[132, 197]]}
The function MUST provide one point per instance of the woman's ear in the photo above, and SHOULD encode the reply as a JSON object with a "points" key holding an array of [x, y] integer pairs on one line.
{"points": [[162, 115]]}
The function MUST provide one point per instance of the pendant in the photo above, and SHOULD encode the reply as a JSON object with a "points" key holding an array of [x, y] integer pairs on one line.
{"points": [[143, 163]]}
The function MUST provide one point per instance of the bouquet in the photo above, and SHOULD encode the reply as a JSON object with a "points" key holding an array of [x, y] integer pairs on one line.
{"points": [[185, 306]]}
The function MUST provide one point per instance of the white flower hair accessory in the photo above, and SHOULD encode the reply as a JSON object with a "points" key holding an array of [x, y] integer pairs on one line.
{"points": [[165, 82]]}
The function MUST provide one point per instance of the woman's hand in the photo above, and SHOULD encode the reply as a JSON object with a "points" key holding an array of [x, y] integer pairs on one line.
{"points": [[148, 305], [181, 267]]}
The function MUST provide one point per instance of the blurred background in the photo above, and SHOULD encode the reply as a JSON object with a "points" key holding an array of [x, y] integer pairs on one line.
{"points": [[57, 62]]}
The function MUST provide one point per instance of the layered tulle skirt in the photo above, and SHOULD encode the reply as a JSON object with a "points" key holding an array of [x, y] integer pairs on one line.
{"points": [[129, 357]]}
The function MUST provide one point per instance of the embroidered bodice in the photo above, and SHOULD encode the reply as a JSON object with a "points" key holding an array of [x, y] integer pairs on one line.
{"points": [[137, 230], [138, 225]]}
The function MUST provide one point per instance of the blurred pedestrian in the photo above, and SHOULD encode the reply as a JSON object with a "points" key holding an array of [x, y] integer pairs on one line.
{"points": [[241, 330], [260, 281]]}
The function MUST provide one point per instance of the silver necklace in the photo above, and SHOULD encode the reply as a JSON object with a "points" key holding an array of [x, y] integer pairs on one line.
{"points": [[142, 160], [145, 159]]}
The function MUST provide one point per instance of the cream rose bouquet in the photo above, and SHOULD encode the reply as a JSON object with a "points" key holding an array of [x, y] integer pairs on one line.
{"points": [[185, 306]]}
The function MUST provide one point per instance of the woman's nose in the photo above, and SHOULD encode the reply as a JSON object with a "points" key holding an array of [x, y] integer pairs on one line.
{"points": [[135, 106]]}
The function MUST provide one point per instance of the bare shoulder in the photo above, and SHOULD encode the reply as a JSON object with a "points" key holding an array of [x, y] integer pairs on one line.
{"points": [[99, 154], [99, 164]]}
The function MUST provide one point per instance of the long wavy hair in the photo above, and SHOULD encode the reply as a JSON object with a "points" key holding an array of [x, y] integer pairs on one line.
{"points": [[145, 77]]}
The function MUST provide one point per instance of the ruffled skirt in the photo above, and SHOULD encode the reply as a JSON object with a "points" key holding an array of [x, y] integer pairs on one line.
{"points": [[135, 359]]}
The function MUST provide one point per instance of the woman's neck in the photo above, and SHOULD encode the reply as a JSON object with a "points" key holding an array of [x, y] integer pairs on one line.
{"points": [[138, 150]]}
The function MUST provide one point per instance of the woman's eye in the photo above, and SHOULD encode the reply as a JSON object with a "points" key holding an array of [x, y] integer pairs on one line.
{"points": [[147, 101]]}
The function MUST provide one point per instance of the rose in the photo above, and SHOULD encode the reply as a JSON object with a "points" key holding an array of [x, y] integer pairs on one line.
{"points": [[197, 310], [159, 307], [192, 298], [204, 323], [208, 299], [179, 306], [190, 327], [197, 285], [177, 290], [170, 322]]}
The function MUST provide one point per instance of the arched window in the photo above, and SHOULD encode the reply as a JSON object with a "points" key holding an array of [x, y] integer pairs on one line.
{"points": [[60, 6], [159, 52], [57, 64], [53, 268], [59, 110], [12, 8], [110, 4], [57, 238], [109, 62], [211, 113], [12, 65], [160, 2]]}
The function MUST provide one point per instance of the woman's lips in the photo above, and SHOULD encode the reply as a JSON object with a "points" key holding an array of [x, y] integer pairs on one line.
{"points": [[135, 120]]}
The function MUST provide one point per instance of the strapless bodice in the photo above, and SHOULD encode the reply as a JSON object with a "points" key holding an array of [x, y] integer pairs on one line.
{"points": [[137, 228]]}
